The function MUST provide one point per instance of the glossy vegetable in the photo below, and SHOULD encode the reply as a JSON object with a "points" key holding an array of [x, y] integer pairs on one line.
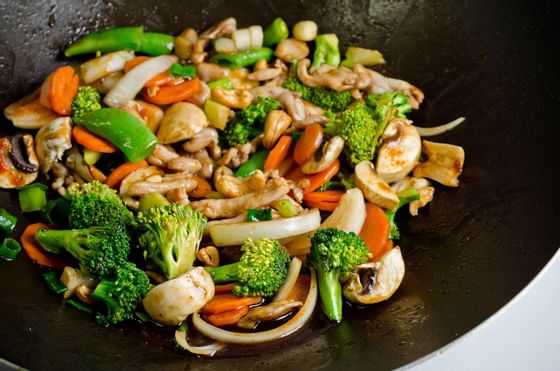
{"points": [[275, 32], [259, 215], [91, 141], [365, 57], [279, 153], [118, 174], [36, 252], [53, 283], [375, 231], [182, 71], [174, 93], [9, 249], [255, 162], [32, 197], [217, 114], [59, 89], [242, 59], [326, 51], [7, 222], [151, 200], [308, 143]]}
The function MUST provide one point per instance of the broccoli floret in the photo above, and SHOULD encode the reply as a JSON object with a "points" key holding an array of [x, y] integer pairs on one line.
{"points": [[335, 252], [99, 250], [121, 294], [405, 197], [389, 105], [86, 100], [325, 98], [358, 129], [262, 269], [249, 122], [326, 51], [95, 204], [170, 236]]}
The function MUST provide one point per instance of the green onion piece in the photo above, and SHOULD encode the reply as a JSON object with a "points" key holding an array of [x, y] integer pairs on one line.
{"points": [[10, 249], [56, 213], [182, 71], [79, 306], [224, 83], [259, 215], [7, 222], [53, 282], [256, 162], [91, 157], [296, 135], [285, 207], [32, 197]]}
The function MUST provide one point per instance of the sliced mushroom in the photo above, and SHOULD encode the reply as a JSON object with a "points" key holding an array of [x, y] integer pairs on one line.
{"points": [[16, 162], [269, 312], [72, 278], [51, 141], [444, 165], [290, 49], [399, 152], [234, 98], [19, 153], [423, 187], [276, 123], [374, 282], [375, 190], [170, 302], [330, 152], [181, 121]]}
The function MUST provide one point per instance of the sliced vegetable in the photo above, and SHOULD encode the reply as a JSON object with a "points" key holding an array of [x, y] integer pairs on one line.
{"points": [[7, 222], [305, 31], [76, 304], [224, 288], [279, 153], [127, 132], [326, 196], [285, 207], [105, 65], [259, 215], [36, 252], [366, 57], [224, 83], [275, 32], [308, 143], [243, 59], [255, 162], [229, 302], [218, 114], [322, 205], [110, 40], [150, 200], [59, 89], [205, 350], [9, 249], [32, 197], [375, 231], [231, 317], [91, 156], [155, 43], [202, 189], [326, 50], [224, 45], [291, 279], [437, 130], [130, 64], [56, 212], [53, 283], [118, 174], [175, 93], [92, 143], [182, 71]]}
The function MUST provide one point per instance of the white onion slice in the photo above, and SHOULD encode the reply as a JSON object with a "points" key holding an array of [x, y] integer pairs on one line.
{"points": [[236, 233], [105, 65], [437, 130], [131, 83], [280, 332], [205, 350], [290, 281]]}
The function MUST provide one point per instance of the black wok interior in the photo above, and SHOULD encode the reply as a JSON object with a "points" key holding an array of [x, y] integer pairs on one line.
{"points": [[467, 254]]}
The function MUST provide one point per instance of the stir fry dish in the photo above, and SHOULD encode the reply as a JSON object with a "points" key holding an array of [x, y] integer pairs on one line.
{"points": [[229, 184]]}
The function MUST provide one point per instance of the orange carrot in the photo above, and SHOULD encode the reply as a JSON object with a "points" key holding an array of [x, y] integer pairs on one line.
{"points": [[231, 317], [174, 93], [118, 174], [328, 196], [225, 288], [278, 153], [321, 205], [130, 64], [202, 188], [308, 143], [227, 302], [301, 288], [92, 141], [295, 174], [375, 231], [317, 180], [63, 86], [36, 252]]}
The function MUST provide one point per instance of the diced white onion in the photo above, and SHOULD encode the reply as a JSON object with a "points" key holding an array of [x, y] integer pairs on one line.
{"points": [[131, 83], [242, 39], [224, 45], [100, 67], [232, 234], [437, 130], [305, 31], [256, 36], [290, 281]]}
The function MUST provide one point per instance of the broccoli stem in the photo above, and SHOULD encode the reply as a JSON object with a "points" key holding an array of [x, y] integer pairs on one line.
{"points": [[330, 291], [224, 273], [55, 241]]}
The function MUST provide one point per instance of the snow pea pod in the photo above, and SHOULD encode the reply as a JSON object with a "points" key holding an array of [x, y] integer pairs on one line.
{"points": [[256, 162], [242, 59], [125, 131]]}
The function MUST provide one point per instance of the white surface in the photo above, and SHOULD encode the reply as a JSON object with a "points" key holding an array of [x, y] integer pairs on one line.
{"points": [[523, 335]]}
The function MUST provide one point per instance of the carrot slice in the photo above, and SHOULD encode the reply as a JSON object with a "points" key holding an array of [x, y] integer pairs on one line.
{"points": [[92, 141], [279, 153], [327, 196], [174, 93], [315, 180], [227, 302], [118, 174], [231, 317], [130, 64], [308, 143], [202, 189], [36, 252], [375, 231], [225, 288], [322, 205], [63, 87]]}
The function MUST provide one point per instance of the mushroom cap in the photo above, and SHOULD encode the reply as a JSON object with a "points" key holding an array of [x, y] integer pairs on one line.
{"points": [[181, 121]]}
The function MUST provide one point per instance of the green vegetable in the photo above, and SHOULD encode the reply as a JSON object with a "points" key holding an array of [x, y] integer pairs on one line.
{"points": [[155, 43], [95, 204], [217, 114], [224, 83], [10, 249], [323, 97], [57, 212], [76, 304], [245, 58], [91, 157], [331, 184], [255, 162], [7, 222], [389, 105], [127, 132], [86, 100], [275, 32], [32, 197], [121, 294], [359, 131], [326, 51], [122, 38], [366, 57], [285, 207], [170, 236], [259, 215], [53, 283], [334, 253], [405, 197], [100, 251], [182, 71], [151, 200], [262, 269], [249, 122]]}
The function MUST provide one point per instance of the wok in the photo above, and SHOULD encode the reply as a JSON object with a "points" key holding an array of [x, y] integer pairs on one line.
{"points": [[467, 254]]}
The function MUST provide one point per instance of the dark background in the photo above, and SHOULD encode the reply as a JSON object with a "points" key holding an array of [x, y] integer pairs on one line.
{"points": [[467, 254]]}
